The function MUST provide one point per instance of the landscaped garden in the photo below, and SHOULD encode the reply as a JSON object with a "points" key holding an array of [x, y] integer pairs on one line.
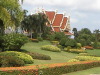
{"points": [[42, 51]]}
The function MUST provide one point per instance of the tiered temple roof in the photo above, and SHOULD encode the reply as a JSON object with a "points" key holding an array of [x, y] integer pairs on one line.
{"points": [[58, 22]]}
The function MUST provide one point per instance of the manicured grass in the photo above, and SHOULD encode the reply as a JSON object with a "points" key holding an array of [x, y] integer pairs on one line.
{"points": [[56, 57], [94, 52], [92, 71]]}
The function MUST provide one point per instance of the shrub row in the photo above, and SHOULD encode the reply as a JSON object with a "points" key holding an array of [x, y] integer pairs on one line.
{"points": [[58, 69], [51, 48], [85, 58], [74, 50], [10, 61], [55, 42], [39, 56], [16, 57]]}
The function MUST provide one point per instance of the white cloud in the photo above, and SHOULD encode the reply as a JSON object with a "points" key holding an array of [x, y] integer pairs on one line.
{"points": [[83, 12], [73, 20]]}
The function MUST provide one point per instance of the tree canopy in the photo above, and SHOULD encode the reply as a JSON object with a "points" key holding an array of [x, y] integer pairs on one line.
{"points": [[11, 13]]}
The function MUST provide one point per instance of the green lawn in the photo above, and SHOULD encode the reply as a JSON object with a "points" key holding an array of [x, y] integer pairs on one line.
{"points": [[56, 57], [94, 52], [92, 71]]}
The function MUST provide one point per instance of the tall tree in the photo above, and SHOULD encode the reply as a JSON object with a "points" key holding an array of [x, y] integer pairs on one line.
{"points": [[11, 13], [97, 35], [85, 31], [36, 23], [75, 33]]}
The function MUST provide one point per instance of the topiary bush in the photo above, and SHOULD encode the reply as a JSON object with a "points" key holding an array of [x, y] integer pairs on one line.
{"points": [[10, 61], [75, 50], [63, 41], [40, 38], [14, 41], [70, 42], [73, 60], [50, 48], [25, 57], [78, 45], [39, 56], [55, 42], [85, 58]]}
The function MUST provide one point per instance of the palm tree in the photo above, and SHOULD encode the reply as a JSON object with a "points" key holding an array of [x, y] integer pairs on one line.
{"points": [[35, 23], [97, 35], [11, 13]]}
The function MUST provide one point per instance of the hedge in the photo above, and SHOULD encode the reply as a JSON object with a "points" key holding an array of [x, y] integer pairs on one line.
{"points": [[51, 48], [53, 69], [23, 56], [75, 50], [86, 58], [39, 56]]}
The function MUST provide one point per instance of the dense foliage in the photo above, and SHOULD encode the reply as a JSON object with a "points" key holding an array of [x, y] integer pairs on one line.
{"points": [[11, 14], [25, 57], [51, 48], [55, 69], [57, 36], [11, 61], [36, 25], [39, 56], [12, 41]]}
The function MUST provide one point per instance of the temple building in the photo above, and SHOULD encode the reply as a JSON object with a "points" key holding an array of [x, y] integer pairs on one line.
{"points": [[59, 22]]}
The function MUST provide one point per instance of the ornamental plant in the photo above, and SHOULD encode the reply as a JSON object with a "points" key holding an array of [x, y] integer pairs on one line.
{"points": [[13, 41], [51, 48], [23, 56]]}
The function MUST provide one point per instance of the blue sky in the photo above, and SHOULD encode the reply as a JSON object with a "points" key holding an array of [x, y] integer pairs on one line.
{"points": [[83, 13]]}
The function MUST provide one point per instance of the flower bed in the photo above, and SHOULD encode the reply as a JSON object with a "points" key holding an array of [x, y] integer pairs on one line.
{"points": [[51, 69]]}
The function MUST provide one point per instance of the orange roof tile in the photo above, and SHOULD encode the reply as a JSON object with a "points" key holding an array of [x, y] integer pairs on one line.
{"points": [[50, 15], [56, 29], [68, 33], [58, 19], [64, 23]]}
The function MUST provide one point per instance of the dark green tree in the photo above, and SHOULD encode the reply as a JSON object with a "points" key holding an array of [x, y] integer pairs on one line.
{"points": [[75, 33]]}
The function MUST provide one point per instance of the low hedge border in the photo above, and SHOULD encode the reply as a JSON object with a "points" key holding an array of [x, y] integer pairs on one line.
{"points": [[52, 69]]}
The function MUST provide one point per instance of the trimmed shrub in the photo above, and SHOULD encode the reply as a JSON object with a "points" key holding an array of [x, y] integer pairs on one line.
{"points": [[57, 36], [85, 58], [14, 41], [25, 57], [68, 48], [10, 61], [55, 42], [60, 46], [63, 41], [77, 51], [56, 69], [39, 56], [79, 45], [60, 69], [50, 48], [73, 60], [70, 42], [40, 38]]}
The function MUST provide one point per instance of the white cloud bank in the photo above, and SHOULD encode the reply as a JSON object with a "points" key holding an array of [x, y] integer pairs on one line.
{"points": [[83, 12]]}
